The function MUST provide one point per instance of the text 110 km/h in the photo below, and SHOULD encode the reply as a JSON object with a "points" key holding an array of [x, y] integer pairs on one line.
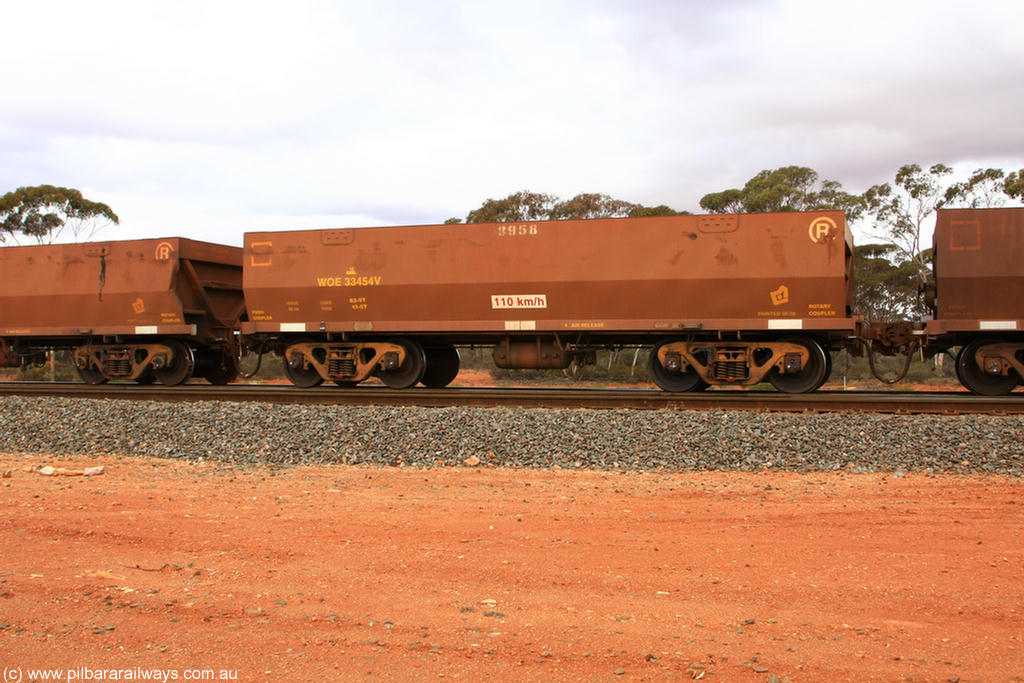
{"points": [[500, 301]]}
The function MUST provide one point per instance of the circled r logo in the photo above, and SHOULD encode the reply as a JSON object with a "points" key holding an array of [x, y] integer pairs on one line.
{"points": [[163, 252], [822, 228]]}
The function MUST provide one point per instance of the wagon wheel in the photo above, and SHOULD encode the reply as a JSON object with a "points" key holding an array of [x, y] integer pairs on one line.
{"points": [[976, 379], [91, 375], [147, 377], [302, 376], [221, 375], [667, 380], [411, 371], [442, 366], [813, 374], [179, 366], [221, 369]]}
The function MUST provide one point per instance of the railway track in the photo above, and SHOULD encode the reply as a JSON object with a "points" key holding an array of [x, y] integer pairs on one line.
{"points": [[946, 403]]}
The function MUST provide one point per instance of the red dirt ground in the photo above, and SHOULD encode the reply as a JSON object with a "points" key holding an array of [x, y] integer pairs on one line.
{"points": [[357, 573]]}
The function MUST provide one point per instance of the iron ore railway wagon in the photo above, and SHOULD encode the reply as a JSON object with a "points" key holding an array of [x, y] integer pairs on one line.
{"points": [[719, 299], [722, 299], [976, 296], [143, 310]]}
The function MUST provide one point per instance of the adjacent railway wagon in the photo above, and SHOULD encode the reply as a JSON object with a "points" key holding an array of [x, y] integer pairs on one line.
{"points": [[142, 310], [977, 295], [722, 299]]}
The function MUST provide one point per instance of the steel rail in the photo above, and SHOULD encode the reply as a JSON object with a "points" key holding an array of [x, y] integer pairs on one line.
{"points": [[946, 403]]}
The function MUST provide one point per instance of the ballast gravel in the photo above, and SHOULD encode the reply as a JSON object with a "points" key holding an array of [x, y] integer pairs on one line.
{"points": [[271, 434]]}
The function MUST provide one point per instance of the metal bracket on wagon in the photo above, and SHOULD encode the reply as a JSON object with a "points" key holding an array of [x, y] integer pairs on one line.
{"points": [[890, 337]]}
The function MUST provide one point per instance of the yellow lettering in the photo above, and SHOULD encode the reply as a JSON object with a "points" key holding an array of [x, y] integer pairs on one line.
{"points": [[517, 229], [350, 281]]}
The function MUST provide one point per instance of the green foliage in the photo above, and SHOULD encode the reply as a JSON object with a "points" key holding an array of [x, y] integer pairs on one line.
{"points": [[886, 286], [588, 205], [856, 371], [520, 206], [640, 211], [984, 189], [726, 201], [271, 368], [622, 366], [533, 206], [1013, 186], [59, 366], [783, 189], [790, 188], [832, 196], [899, 213], [42, 213]]}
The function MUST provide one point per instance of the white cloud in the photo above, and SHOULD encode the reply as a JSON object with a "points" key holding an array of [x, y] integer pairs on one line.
{"points": [[203, 118]]}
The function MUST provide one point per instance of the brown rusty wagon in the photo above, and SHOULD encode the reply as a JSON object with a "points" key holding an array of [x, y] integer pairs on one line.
{"points": [[977, 296], [721, 299], [142, 310]]}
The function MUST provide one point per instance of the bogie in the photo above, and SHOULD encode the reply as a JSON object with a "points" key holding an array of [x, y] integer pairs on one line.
{"points": [[791, 364]]}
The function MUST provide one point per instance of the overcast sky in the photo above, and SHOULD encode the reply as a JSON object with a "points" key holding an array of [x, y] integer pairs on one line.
{"points": [[206, 119]]}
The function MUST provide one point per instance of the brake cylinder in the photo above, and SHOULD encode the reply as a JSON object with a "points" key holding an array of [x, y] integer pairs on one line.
{"points": [[531, 354]]}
